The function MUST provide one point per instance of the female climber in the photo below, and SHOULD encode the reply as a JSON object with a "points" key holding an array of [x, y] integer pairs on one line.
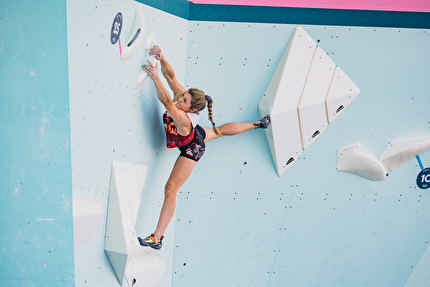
{"points": [[182, 131]]}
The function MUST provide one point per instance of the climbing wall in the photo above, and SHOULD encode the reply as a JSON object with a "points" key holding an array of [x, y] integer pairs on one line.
{"points": [[112, 120], [67, 100], [313, 226], [237, 222]]}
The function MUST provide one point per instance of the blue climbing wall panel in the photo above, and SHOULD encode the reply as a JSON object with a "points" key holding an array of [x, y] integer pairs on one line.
{"points": [[36, 236]]}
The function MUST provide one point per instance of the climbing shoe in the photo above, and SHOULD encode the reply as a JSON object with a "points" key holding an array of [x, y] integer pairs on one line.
{"points": [[151, 241], [263, 123]]}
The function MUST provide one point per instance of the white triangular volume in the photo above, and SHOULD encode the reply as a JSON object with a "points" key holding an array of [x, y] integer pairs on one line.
{"points": [[88, 214], [124, 198], [141, 78], [145, 269], [399, 152], [312, 111], [282, 97], [135, 175], [341, 93], [136, 34], [358, 160], [420, 276]]}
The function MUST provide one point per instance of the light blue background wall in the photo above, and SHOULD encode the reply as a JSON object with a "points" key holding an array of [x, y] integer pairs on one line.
{"points": [[313, 226], [36, 237]]}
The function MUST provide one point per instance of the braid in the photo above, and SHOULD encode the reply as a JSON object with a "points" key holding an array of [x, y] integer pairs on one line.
{"points": [[210, 102]]}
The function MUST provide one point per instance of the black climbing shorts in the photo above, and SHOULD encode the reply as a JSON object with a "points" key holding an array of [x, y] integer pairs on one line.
{"points": [[196, 148]]}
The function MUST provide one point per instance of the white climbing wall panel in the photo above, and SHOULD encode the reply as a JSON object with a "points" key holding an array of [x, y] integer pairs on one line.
{"points": [[305, 86], [126, 186]]}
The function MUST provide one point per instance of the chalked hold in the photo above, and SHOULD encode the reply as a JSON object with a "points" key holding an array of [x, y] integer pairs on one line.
{"points": [[116, 28]]}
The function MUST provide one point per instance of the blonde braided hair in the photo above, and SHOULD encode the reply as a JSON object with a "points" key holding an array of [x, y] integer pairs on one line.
{"points": [[210, 102]]}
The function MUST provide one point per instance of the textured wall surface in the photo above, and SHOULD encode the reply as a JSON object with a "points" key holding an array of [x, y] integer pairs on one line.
{"points": [[36, 237]]}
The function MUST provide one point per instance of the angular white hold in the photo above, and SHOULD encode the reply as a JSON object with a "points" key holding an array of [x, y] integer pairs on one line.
{"points": [[282, 97], [146, 269], [399, 152], [312, 111], [358, 160], [125, 192], [341, 93], [142, 74], [136, 34], [87, 219]]}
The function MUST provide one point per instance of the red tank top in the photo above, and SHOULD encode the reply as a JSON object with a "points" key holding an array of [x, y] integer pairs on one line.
{"points": [[173, 139]]}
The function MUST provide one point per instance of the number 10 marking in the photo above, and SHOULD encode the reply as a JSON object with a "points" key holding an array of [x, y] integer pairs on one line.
{"points": [[425, 178]]}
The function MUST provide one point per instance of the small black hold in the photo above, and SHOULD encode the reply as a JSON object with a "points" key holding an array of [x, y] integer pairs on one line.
{"points": [[134, 38], [315, 134]]}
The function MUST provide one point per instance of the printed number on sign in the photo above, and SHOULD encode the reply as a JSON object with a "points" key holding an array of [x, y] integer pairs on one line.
{"points": [[423, 178], [116, 28]]}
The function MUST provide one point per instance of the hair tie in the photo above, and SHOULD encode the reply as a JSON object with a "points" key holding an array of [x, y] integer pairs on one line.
{"points": [[208, 98]]}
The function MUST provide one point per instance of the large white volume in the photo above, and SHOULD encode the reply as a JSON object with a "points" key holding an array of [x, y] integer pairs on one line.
{"points": [[307, 91], [282, 97], [146, 269], [341, 93], [125, 192], [312, 111]]}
